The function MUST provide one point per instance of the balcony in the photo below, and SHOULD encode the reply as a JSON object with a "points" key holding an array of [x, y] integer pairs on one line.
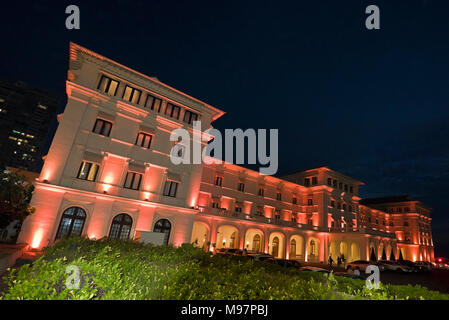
{"points": [[256, 218]]}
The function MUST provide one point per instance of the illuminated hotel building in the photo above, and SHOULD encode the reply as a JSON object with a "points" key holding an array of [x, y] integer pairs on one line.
{"points": [[108, 174]]}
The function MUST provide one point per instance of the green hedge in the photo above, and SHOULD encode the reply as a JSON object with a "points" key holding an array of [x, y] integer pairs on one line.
{"points": [[127, 270]]}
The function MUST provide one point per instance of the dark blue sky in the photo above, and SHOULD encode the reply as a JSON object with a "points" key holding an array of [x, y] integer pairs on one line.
{"points": [[371, 104]]}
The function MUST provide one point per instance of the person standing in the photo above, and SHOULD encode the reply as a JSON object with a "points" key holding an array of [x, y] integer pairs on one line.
{"points": [[330, 260]]}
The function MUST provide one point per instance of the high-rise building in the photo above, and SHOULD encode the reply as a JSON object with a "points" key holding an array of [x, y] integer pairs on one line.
{"points": [[26, 114], [109, 173]]}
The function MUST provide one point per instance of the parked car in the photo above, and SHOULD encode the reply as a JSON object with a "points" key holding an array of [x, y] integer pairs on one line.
{"points": [[314, 269], [424, 266], [361, 265], [234, 252], [410, 264], [260, 256], [395, 266], [285, 263], [442, 263]]}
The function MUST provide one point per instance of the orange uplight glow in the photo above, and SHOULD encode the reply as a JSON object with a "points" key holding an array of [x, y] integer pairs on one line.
{"points": [[146, 195], [37, 238], [106, 187]]}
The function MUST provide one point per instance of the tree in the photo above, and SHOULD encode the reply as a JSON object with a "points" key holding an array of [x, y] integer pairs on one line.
{"points": [[15, 196]]}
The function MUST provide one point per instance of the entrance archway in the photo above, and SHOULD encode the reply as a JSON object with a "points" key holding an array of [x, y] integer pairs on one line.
{"points": [[296, 247], [227, 237], [200, 235], [276, 245], [254, 240]]}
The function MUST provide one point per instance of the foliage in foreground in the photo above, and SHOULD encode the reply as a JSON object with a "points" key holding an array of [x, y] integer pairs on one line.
{"points": [[126, 270], [15, 197]]}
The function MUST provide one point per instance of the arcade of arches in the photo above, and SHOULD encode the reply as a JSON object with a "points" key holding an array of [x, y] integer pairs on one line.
{"points": [[305, 247]]}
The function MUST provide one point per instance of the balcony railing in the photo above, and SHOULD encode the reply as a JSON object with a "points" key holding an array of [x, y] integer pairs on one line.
{"points": [[256, 218], [291, 224]]}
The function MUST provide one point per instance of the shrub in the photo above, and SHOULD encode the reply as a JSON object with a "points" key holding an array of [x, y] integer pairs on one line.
{"points": [[111, 269]]}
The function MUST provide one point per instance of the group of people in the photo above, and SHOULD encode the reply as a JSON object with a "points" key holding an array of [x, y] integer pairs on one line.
{"points": [[340, 260]]}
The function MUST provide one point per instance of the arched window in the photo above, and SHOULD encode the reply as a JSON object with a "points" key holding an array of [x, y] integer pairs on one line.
{"points": [[293, 249], [256, 243], [163, 226], [72, 222], [275, 250], [121, 226]]}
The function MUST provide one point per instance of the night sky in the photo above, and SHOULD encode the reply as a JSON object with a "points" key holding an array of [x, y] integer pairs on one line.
{"points": [[372, 104]]}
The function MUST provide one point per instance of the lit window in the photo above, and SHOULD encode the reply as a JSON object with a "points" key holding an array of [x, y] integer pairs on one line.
{"points": [[102, 127], [170, 188], [88, 171], [40, 106], [153, 103], [144, 140], [131, 94], [133, 180], [108, 85], [172, 111], [189, 117]]}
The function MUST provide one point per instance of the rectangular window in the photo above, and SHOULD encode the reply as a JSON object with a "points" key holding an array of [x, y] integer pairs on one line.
{"points": [[131, 94], [88, 171], [133, 180], [340, 185], [102, 127], [190, 116], [346, 188], [214, 204], [351, 189], [170, 188], [334, 183], [309, 202], [153, 103], [294, 200], [218, 181], [261, 192], [144, 140], [277, 216], [307, 182], [238, 208], [332, 203], [172, 111], [314, 180], [329, 182], [108, 85], [278, 196], [241, 187]]}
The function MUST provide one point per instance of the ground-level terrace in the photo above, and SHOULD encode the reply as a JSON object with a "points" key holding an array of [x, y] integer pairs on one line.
{"points": [[64, 211]]}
